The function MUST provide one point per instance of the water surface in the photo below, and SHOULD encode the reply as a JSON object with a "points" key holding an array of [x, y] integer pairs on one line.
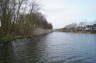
{"points": [[57, 47]]}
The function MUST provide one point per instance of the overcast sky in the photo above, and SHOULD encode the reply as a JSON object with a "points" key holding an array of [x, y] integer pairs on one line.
{"points": [[63, 12]]}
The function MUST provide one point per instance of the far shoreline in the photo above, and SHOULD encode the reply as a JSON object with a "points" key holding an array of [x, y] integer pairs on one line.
{"points": [[78, 32]]}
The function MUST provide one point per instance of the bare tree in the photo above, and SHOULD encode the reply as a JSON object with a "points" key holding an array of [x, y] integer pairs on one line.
{"points": [[21, 16]]}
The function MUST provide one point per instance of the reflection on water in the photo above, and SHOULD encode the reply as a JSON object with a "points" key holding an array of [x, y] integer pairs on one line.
{"points": [[7, 53], [55, 47]]}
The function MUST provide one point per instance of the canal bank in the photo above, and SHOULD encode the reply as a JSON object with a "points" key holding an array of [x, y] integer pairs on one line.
{"points": [[10, 37]]}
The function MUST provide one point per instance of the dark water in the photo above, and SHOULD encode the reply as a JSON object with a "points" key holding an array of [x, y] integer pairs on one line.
{"points": [[55, 47]]}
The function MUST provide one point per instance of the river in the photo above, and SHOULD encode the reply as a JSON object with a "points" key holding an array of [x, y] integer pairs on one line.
{"points": [[56, 47]]}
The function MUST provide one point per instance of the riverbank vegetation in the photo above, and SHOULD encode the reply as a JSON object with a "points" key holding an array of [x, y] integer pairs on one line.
{"points": [[20, 18], [82, 27], [8, 38]]}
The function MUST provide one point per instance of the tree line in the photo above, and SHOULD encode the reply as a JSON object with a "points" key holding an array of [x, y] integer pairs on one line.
{"points": [[21, 17], [81, 27]]}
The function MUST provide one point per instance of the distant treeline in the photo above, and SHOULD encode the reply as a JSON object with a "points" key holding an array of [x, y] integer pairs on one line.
{"points": [[21, 17], [81, 27]]}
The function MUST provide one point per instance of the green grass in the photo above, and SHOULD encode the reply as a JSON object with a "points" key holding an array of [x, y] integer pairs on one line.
{"points": [[8, 38]]}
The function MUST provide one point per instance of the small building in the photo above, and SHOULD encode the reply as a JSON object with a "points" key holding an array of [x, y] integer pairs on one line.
{"points": [[90, 27], [94, 27]]}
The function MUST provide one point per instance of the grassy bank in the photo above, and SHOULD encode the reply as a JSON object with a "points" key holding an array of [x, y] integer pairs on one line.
{"points": [[10, 37], [84, 32], [88, 32]]}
